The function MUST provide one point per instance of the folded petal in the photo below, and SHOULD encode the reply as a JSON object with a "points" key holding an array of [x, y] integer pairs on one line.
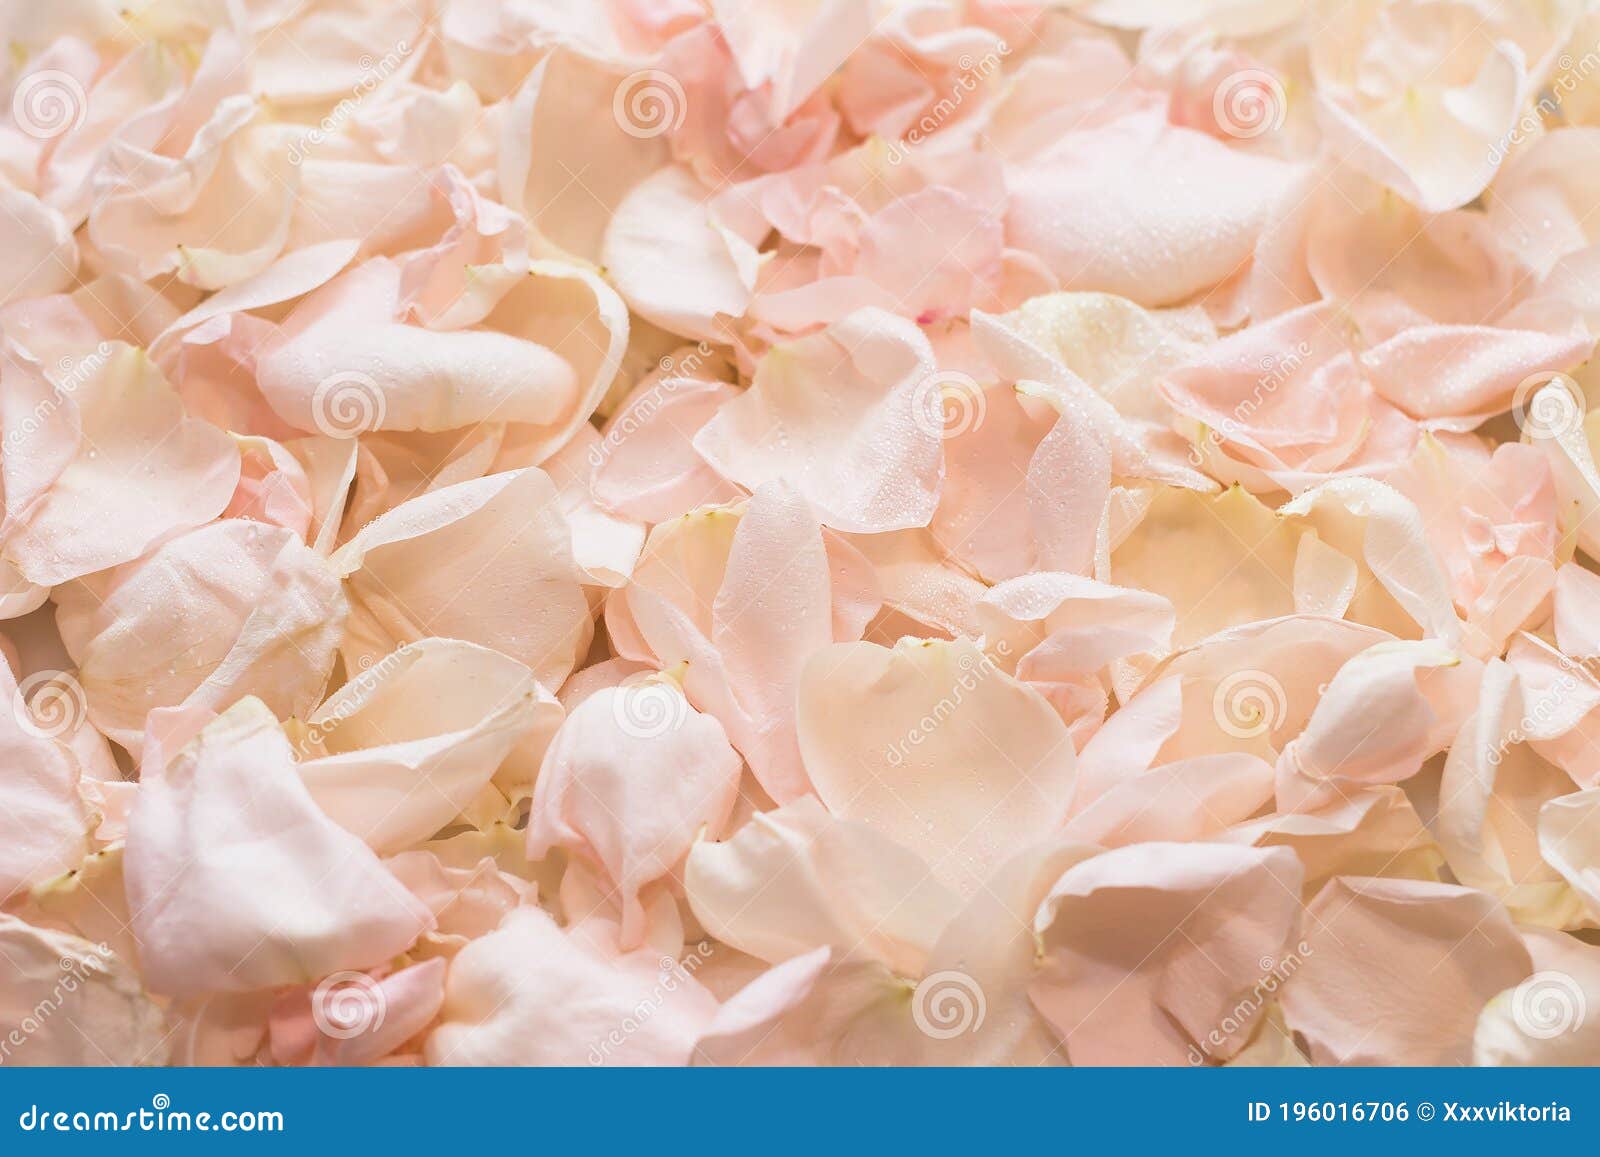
{"points": [[1397, 971], [633, 777], [488, 561], [838, 415], [238, 881], [932, 744], [1152, 949]]}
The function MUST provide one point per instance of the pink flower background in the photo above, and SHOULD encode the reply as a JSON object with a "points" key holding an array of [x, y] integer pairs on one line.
{"points": [[803, 532]]}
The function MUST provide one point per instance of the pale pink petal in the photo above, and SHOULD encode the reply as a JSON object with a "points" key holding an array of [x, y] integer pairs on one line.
{"points": [[1385, 712], [488, 561], [673, 263], [1490, 797], [1189, 800], [237, 881], [1058, 626], [1567, 843], [1577, 611], [407, 744], [345, 364], [272, 487], [214, 216], [232, 609], [1545, 1019], [773, 611], [1397, 971], [1147, 949], [43, 257], [98, 1013], [1121, 231], [350, 1018], [932, 744], [633, 777], [840, 416], [795, 879], [43, 824], [101, 463], [530, 994], [792, 46]]}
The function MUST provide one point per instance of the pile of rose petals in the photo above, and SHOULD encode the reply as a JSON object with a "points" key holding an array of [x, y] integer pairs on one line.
{"points": [[741, 532]]}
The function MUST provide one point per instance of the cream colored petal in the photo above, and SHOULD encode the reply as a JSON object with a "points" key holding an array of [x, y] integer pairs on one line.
{"points": [[932, 744]]}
